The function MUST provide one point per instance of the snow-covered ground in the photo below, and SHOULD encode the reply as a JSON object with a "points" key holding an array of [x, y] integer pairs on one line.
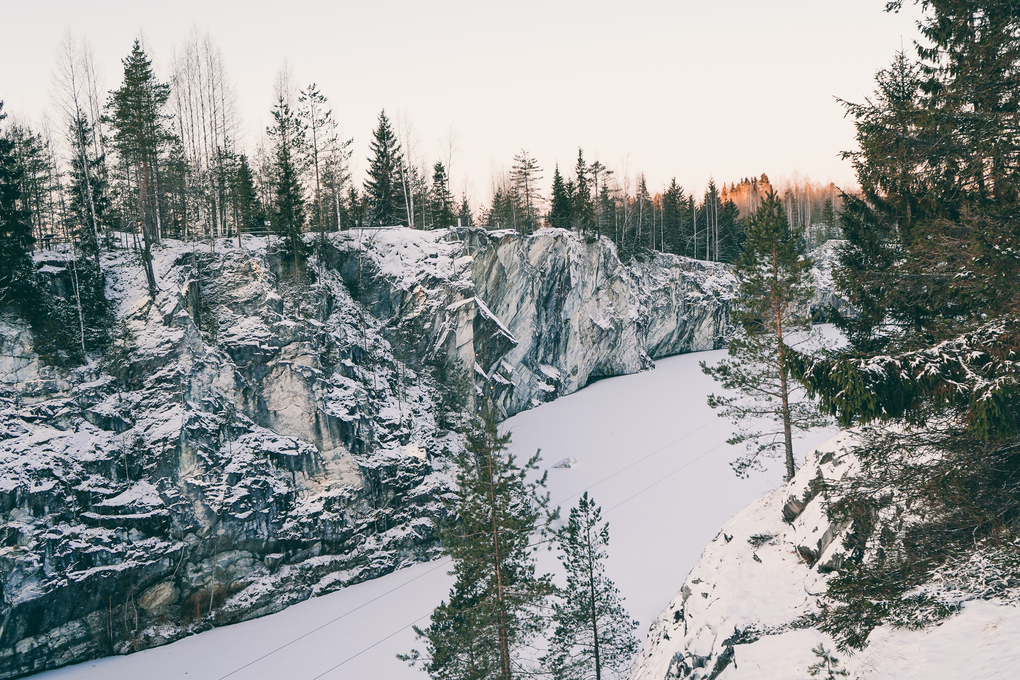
{"points": [[647, 448]]}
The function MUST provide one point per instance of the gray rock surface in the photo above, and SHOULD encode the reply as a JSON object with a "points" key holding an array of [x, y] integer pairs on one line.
{"points": [[258, 435]]}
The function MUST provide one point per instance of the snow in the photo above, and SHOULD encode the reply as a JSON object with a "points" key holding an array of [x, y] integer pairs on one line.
{"points": [[653, 455], [646, 447]]}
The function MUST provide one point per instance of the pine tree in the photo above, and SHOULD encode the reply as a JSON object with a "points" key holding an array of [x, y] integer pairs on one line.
{"points": [[526, 175], [383, 188], [774, 277], [828, 663], [593, 636], [15, 227], [492, 611], [317, 120]]}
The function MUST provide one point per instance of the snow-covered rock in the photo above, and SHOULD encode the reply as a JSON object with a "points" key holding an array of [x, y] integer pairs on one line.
{"points": [[258, 435], [750, 606], [534, 317]]}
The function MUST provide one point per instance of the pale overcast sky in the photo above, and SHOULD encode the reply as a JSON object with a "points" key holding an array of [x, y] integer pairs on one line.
{"points": [[727, 89]]}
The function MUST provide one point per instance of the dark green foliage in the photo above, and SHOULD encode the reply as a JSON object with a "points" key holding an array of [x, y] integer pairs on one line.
{"points": [[561, 212], [582, 212], [382, 188], [464, 214], [507, 210], [442, 203], [827, 666], [675, 219], [15, 227], [959, 493], [249, 214], [774, 290], [88, 192], [140, 137], [288, 216], [930, 267], [493, 610], [593, 636]]}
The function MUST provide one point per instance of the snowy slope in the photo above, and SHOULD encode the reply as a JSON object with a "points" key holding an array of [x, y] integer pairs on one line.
{"points": [[646, 446], [748, 608]]}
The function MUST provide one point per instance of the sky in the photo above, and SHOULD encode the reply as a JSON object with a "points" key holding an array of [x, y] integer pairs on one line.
{"points": [[691, 90]]}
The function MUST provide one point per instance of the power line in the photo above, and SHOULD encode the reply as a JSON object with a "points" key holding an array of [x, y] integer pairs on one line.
{"points": [[446, 560], [626, 500], [375, 644], [440, 563]]}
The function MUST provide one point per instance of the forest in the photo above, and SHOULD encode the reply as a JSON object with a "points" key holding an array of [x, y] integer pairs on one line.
{"points": [[158, 158]]}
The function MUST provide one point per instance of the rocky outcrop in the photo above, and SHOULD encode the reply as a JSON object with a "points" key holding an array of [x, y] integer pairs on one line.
{"points": [[257, 434]]}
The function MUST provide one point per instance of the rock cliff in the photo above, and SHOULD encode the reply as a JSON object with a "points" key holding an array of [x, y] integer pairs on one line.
{"points": [[259, 433]]}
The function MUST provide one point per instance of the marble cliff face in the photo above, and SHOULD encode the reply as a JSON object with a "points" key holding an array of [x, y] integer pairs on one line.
{"points": [[259, 434]]}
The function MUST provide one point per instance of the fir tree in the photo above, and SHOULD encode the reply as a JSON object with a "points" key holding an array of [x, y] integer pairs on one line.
{"points": [[774, 277], [492, 612], [593, 636], [383, 189], [930, 268], [674, 218], [249, 215]]}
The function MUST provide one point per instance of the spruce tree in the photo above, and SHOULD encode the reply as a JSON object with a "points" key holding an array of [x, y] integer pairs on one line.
{"points": [[249, 215], [583, 209], [442, 205], [88, 196], [140, 136], [774, 276], [561, 211], [493, 610], [593, 636], [464, 215], [15, 227], [288, 135], [383, 189]]}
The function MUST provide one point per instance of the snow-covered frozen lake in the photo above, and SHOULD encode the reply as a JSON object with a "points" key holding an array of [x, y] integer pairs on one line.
{"points": [[648, 450]]}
